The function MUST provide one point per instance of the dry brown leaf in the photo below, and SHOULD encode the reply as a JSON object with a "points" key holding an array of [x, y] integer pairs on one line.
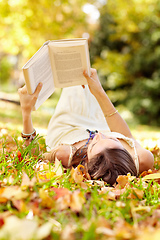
{"points": [[77, 201]]}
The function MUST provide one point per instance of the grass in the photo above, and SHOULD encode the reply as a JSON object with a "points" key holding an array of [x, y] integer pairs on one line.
{"points": [[55, 203], [75, 208]]}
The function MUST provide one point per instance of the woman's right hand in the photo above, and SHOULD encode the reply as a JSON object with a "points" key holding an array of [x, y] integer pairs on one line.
{"points": [[28, 101]]}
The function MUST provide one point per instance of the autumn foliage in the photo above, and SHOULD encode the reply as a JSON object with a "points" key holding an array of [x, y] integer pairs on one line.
{"points": [[39, 200]]}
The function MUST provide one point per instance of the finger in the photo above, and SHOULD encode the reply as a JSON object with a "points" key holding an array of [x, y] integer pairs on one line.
{"points": [[22, 90], [86, 75], [38, 89]]}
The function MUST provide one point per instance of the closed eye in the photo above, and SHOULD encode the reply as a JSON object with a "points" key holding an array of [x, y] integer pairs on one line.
{"points": [[114, 139], [92, 146]]}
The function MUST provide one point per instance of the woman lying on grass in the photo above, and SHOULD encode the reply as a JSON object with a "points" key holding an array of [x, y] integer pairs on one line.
{"points": [[87, 129]]}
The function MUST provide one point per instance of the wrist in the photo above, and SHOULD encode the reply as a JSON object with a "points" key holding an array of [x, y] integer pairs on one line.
{"points": [[100, 94], [26, 114]]}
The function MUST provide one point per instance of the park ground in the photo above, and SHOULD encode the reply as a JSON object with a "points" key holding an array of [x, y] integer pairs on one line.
{"points": [[53, 203]]}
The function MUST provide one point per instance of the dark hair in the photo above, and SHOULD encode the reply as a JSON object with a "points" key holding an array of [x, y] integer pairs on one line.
{"points": [[80, 156], [111, 163], [108, 164]]}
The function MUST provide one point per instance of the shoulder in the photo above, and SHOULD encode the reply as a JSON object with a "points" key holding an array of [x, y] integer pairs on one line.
{"points": [[146, 159]]}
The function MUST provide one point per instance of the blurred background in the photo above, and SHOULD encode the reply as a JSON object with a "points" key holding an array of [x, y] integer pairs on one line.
{"points": [[124, 43]]}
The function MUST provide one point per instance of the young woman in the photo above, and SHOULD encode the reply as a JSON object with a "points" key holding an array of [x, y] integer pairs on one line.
{"points": [[86, 128]]}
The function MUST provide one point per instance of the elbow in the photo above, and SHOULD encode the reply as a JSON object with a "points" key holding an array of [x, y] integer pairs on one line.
{"points": [[150, 160]]}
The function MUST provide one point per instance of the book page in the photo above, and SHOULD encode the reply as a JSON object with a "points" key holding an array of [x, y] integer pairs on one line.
{"points": [[40, 71], [68, 64]]}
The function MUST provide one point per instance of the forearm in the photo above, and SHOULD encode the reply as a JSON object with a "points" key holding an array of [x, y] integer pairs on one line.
{"points": [[28, 133], [115, 122], [27, 123]]}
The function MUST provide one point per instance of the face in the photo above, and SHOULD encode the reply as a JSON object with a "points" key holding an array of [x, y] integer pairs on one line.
{"points": [[100, 142]]}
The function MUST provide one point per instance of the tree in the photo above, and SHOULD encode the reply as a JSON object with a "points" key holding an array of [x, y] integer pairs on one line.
{"points": [[26, 25], [125, 49]]}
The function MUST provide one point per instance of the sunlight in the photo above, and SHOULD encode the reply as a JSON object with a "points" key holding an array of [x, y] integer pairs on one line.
{"points": [[92, 12], [14, 2]]}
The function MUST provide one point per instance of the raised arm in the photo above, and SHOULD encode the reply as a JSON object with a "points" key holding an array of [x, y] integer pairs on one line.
{"points": [[115, 122], [27, 102]]}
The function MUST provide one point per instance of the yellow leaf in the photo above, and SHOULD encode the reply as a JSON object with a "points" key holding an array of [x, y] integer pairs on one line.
{"points": [[2, 199], [152, 176], [47, 201], [50, 175], [138, 192], [122, 180], [76, 175]]}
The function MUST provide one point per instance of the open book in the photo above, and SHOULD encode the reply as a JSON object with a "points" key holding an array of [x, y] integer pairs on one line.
{"points": [[57, 64]]}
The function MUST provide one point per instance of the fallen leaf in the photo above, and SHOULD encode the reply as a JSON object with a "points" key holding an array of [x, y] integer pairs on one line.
{"points": [[76, 175], [15, 228], [58, 168], [122, 180], [44, 231], [19, 204], [60, 192], [105, 231], [139, 193], [63, 202], [152, 176], [26, 182], [1, 222], [14, 192], [77, 201], [46, 200]]}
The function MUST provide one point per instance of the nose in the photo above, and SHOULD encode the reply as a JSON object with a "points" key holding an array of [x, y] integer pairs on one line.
{"points": [[99, 136]]}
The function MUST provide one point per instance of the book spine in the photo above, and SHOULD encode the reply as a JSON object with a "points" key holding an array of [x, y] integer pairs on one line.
{"points": [[27, 80], [29, 89]]}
